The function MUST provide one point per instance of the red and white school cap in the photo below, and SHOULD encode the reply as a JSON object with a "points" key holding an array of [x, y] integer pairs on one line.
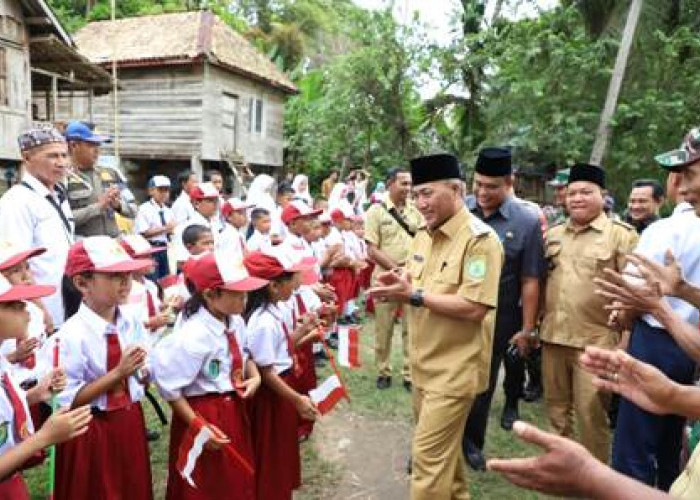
{"points": [[14, 293], [11, 254], [296, 209], [272, 264], [234, 205], [101, 254], [203, 191], [138, 247], [342, 213], [221, 269]]}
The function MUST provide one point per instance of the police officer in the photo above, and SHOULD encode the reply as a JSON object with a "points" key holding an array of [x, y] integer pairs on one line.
{"points": [[454, 264], [574, 316], [93, 192], [389, 228], [518, 227], [556, 213]]}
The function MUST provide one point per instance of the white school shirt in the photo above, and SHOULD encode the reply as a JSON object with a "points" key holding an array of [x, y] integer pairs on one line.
{"points": [[148, 217], [8, 437], [182, 208], [351, 245], [137, 304], [195, 359], [83, 352], [267, 342], [680, 233], [36, 329], [311, 300], [181, 253], [259, 242], [333, 238], [29, 220], [231, 240]]}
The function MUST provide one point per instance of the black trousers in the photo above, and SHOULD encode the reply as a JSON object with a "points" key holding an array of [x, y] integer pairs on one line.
{"points": [[475, 429]]}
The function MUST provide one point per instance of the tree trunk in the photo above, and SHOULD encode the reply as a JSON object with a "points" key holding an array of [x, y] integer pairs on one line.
{"points": [[603, 134]]}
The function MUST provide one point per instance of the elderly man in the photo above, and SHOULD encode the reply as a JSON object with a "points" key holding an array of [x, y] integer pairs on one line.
{"points": [[578, 251], [454, 265], [35, 212], [518, 227], [93, 193]]}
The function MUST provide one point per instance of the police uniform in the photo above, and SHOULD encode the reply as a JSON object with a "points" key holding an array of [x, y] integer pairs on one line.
{"points": [[383, 231], [519, 229], [450, 358], [84, 187], [574, 317]]}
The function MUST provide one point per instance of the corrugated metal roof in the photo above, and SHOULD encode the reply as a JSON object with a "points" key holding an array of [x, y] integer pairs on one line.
{"points": [[179, 37]]}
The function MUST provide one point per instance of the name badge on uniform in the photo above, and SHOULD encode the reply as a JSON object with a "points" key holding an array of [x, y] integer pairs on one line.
{"points": [[214, 368], [509, 235], [418, 258]]}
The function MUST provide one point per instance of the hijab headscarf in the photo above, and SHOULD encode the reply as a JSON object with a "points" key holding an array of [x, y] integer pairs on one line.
{"points": [[300, 184], [260, 193]]}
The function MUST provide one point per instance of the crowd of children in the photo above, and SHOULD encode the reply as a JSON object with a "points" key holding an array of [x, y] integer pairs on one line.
{"points": [[221, 305]]}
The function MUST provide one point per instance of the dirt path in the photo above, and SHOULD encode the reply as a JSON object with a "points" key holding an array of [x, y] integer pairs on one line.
{"points": [[370, 452]]}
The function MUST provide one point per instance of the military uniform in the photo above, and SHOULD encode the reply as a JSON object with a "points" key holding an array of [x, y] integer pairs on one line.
{"points": [[450, 358], [575, 318], [84, 187], [382, 230]]}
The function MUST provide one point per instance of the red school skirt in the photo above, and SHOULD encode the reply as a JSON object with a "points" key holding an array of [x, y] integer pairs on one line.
{"points": [[343, 280], [305, 382], [14, 488], [276, 446], [108, 462], [216, 475]]}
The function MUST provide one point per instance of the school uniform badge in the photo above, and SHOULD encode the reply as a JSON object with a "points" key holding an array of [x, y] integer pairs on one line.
{"points": [[4, 433], [214, 368], [476, 267]]}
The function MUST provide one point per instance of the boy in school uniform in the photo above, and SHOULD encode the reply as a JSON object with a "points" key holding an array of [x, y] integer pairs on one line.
{"points": [[234, 213], [260, 238], [205, 201], [104, 354], [156, 223]]}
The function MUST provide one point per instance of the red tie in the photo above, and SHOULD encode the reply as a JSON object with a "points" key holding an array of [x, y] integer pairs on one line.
{"points": [[21, 430], [30, 361], [296, 367], [150, 304], [118, 397], [236, 361]]}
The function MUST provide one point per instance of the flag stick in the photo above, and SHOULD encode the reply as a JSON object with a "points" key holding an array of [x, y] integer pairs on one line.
{"points": [[52, 449]]}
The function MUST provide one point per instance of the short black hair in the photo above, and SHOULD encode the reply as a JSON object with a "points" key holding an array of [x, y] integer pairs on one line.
{"points": [[193, 233], [285, 188], [210, 173], [394, 172], [184, 176], [657, 190], [257, 213]]}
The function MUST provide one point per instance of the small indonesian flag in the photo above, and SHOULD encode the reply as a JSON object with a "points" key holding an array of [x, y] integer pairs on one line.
{"points": [[327, 395], [171, 285], [349, 347], [191, 448]]}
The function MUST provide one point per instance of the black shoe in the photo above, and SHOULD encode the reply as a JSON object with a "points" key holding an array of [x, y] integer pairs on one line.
{"points": [[409, 466], [152, 435], [475, 457], [383, 382], [321, 355], [532, 393], [408, 385], [509, 416], [332, 341]]}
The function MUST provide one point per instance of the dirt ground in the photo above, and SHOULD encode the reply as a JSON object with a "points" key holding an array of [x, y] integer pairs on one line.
{"points": [[370, 454]]}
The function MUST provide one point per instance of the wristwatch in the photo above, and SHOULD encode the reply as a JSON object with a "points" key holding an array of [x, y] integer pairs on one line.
{"points": [[416, 298]]}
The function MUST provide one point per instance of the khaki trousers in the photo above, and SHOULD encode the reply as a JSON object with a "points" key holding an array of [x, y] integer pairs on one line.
{"points": [[384, 315], [569, 392], [439, 469]]}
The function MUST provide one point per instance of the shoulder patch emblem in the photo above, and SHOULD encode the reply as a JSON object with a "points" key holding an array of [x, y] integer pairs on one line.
{"points": [[214, 368], [476, 267]]}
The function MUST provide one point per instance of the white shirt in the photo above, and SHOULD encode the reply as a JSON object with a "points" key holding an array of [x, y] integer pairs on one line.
{"points": [[259, 242], [681, 234], [137, 303], [181, 253], [232, 241], [37, 330], [7, 413], [83, 352], [334, 237], [195, 359], [148, 217], [182, 208], [351, 245], [267, 342], [29, 220]]}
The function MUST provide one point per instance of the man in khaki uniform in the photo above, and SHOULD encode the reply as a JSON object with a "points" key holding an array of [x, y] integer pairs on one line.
{"points": [[93, 192], [389, 229], [578, 251], [454, 265]]}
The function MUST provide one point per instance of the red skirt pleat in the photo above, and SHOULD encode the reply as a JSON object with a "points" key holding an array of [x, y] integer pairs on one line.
{"points": [[14, 488], [216, 475], [305, 382], [108, 462], [276, 446], [343, 280], [365, 277]]}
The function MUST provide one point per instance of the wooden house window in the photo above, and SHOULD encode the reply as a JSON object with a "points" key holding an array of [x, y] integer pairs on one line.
{"points": [[256, 115], [4, 97]]}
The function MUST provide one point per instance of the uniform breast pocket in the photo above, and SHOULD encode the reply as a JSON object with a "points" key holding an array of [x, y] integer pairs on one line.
{"points": [[448, 278], [552, 255], [415, 268]]}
